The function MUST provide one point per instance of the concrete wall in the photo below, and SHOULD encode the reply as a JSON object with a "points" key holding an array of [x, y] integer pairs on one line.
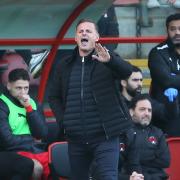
{"points": [[127, 20]]}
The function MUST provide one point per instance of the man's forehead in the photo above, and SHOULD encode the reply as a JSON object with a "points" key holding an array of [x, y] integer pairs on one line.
{"points": [[144, 103], [20, 83], [86, 25], [136, 75], [175, 23]]}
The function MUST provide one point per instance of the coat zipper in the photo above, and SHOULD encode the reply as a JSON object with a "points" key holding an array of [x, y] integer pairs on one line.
{"points": [[82, 97]]}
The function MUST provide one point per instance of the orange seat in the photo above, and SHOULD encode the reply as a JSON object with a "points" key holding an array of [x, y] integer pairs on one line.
{"points": [[174, 147]]}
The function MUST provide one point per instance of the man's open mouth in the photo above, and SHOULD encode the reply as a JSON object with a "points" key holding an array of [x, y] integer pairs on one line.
{"points": [[84, 41]]}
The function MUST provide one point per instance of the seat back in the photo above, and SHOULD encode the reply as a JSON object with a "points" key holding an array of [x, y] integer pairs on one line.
{"points": [[174, 147], [53, 132], [59, 160], [12, 61]]}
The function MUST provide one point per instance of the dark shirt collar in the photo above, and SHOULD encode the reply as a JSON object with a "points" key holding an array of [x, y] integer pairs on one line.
{"points": [[75, 55], [126, 101], [139, 126]]}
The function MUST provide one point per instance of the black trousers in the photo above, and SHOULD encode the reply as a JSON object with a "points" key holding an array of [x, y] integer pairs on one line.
{"points": [[105, 154], [15, 167]]}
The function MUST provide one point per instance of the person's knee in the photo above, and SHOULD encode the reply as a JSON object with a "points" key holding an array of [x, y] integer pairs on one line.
{"points": [[24, 166], [38, 170], [28, 172]]}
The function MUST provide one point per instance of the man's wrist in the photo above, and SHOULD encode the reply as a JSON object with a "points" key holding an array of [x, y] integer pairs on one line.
{"points": [[29, 108]]}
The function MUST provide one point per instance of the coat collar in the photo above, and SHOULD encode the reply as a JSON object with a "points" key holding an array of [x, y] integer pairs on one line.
{"points": [[75, 54]]}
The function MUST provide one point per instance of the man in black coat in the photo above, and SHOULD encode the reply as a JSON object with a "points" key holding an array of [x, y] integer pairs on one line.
{"points": [[85, 100], [163, 113], [164, 67], [150, 144]]}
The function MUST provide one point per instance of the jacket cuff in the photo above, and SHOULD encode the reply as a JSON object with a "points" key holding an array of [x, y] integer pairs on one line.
{"points": [[29, 108]]}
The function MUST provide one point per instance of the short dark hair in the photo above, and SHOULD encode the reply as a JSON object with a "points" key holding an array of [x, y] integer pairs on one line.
{"points": [[136, 69], [87, 20], [18, 74], [138, 98], [172, 17]]}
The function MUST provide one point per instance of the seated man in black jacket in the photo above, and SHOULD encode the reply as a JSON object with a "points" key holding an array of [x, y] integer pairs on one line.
{"points": [[162, 113], [143, 150], [22, 123], [151, 147]]}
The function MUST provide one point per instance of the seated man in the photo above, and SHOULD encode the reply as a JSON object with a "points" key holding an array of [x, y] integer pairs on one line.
{"points": [[152, 149], [22, 123], [163, 114], [15, 167]]}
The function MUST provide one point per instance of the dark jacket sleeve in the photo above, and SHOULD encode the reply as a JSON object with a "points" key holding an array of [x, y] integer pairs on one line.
{"points": [[56, 98], [158, 110], [172, 109], [166, 116], [37, 123], [164, 112], [120, 68], [162, 154], [160, 70]]}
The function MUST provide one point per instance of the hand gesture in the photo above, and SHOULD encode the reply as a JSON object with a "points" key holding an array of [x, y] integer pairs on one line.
{"points": [[171, 94], [25, 100], [102, 53]]}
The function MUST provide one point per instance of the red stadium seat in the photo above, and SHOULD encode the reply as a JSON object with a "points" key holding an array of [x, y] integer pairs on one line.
{"points": [[3, 65], [173, 170], [59, 160], [13, 61]]}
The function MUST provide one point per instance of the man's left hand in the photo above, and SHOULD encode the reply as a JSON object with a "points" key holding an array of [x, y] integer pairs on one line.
{"points": [[102, 53]]}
